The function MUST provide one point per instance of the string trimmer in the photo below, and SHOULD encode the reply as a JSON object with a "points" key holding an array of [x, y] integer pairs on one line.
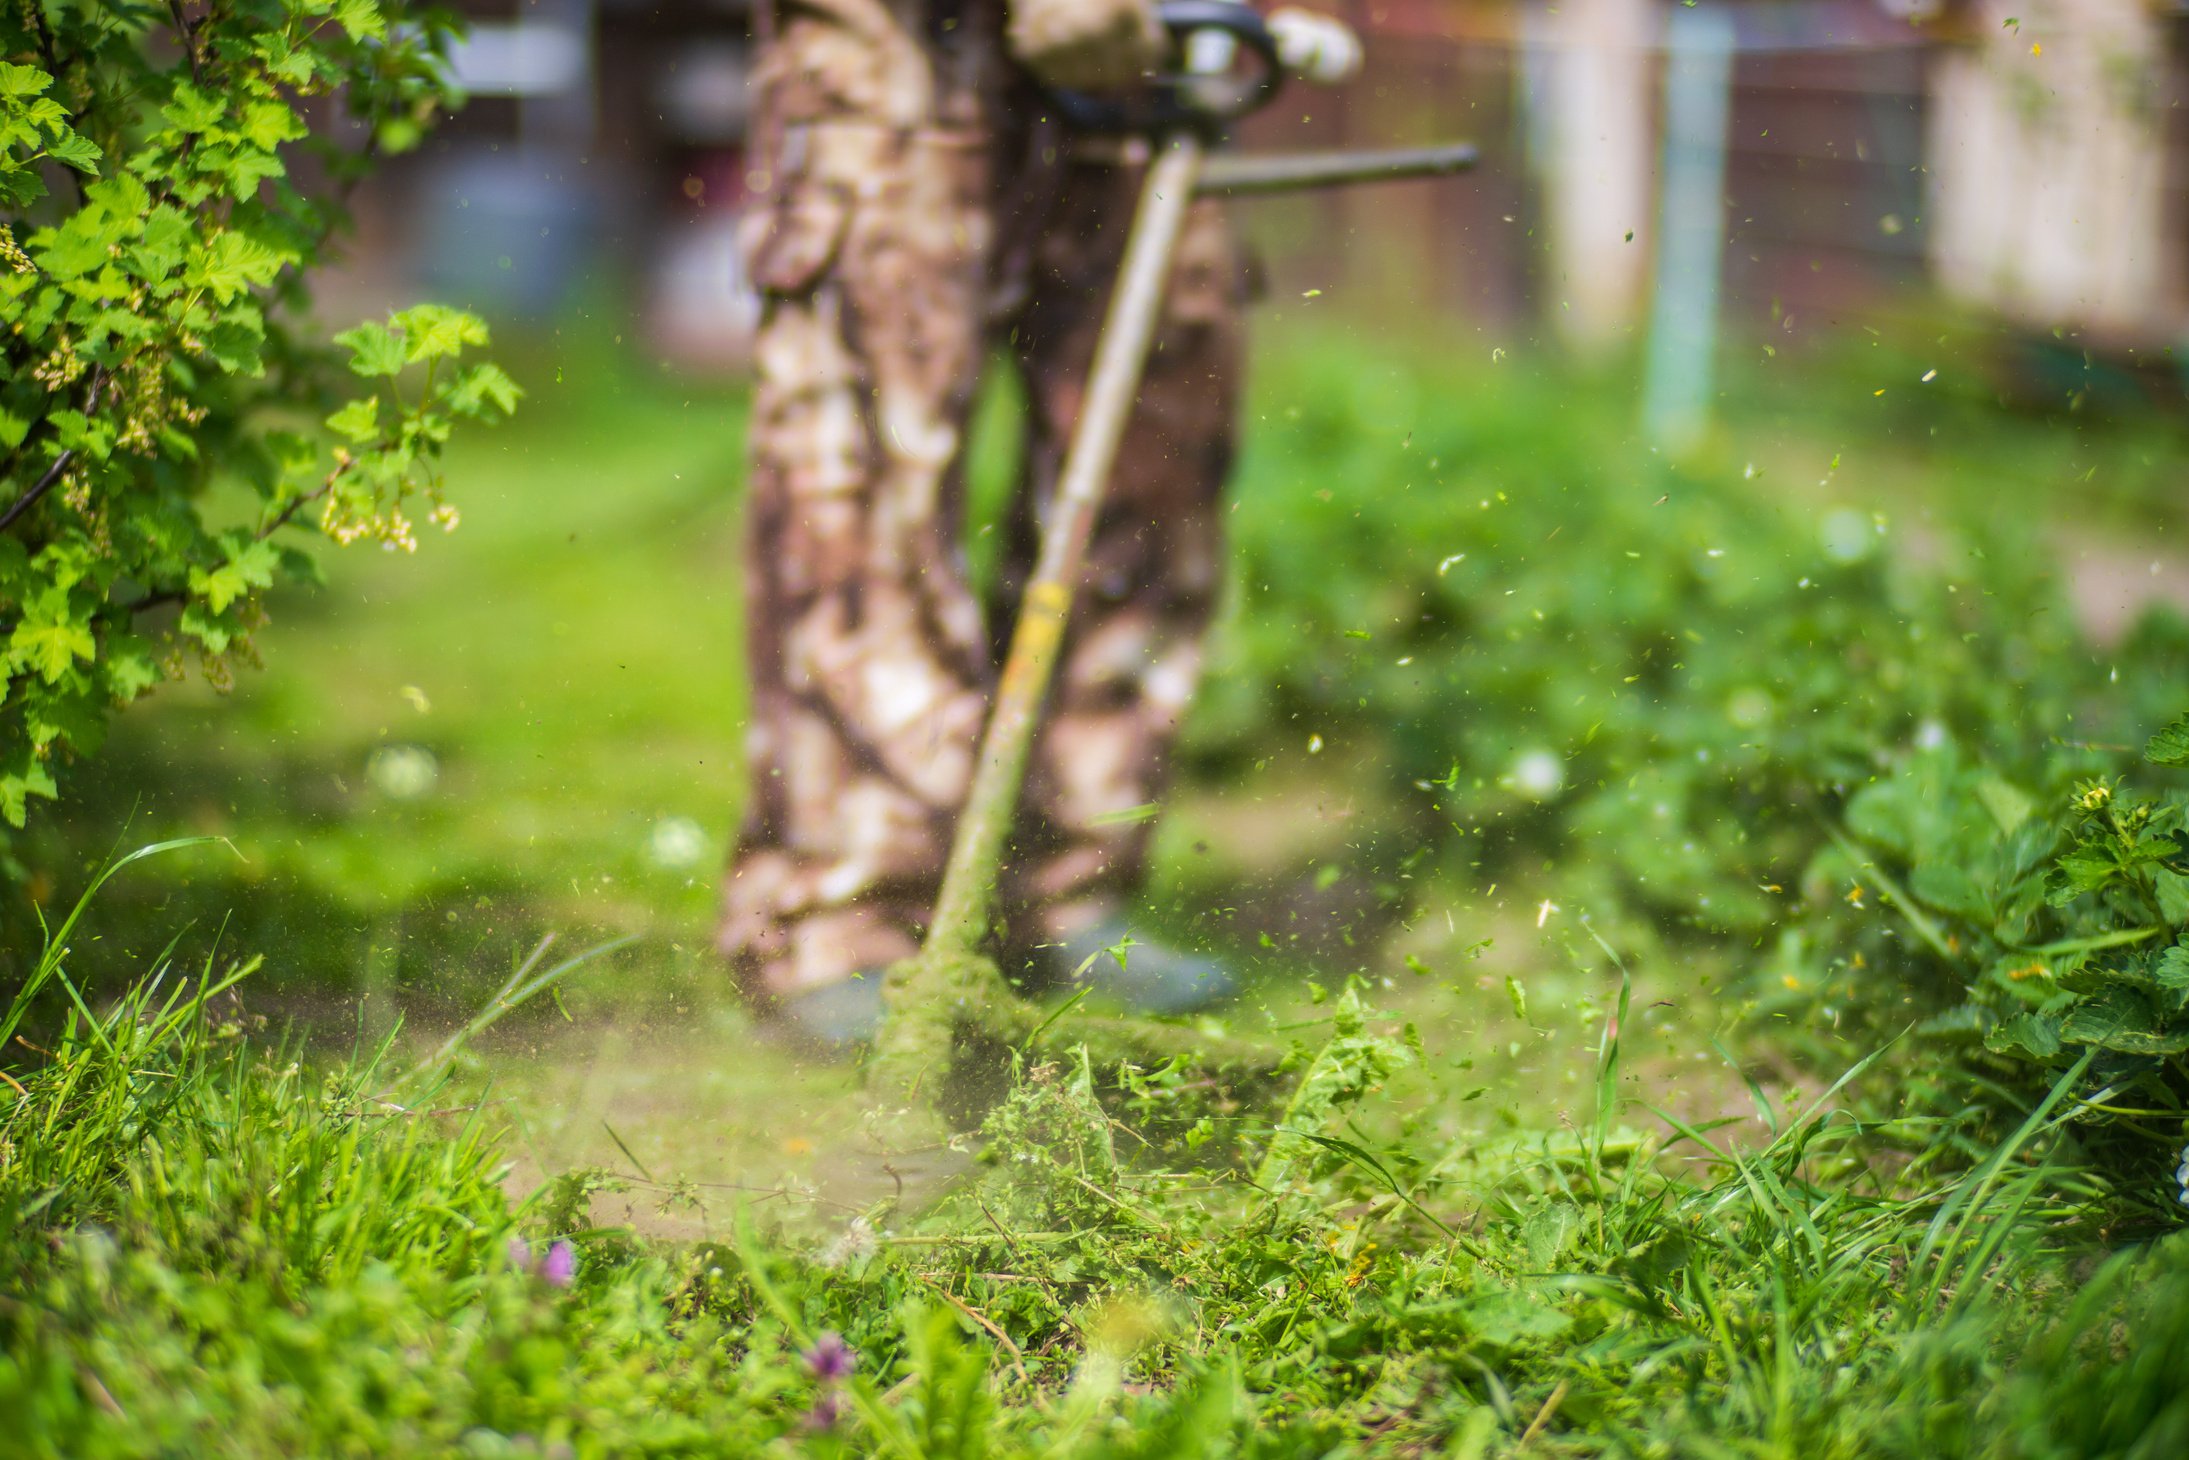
{"points": [[949, 1000]]}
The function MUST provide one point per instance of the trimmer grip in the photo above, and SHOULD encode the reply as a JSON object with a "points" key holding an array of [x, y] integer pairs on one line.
{"points": [[1182, 99]]}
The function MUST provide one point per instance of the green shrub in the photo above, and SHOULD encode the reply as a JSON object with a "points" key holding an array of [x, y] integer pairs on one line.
{"points": [[163, 199], [1655, 681]]}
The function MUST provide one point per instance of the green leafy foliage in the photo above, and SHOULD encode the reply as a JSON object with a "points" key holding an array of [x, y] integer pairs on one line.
{"points": [[1653, 682], [156, 239], [2046, 921]]}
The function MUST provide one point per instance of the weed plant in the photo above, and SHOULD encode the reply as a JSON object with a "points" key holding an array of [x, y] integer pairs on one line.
{"points": [[2028, 924]]}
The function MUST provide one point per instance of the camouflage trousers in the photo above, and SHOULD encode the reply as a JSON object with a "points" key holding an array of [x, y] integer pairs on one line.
{"points": [[919, 218]]}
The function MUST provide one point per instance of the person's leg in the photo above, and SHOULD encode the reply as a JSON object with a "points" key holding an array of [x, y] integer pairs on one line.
{"points": [[868, 659], [1133, 654]]}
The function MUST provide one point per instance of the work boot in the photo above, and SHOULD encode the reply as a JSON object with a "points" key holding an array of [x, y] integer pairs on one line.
{"points": [[837, 1018], [1156, 978], [842, 1017]]}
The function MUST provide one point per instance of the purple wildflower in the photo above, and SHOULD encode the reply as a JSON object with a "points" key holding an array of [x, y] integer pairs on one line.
{"points": [[560, 1265], [555, 1267], [830, 1358], [825, 1412]]}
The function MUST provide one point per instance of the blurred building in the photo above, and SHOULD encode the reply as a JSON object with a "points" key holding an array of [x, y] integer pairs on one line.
{"points": [[599, 163], [2026, 157], [2055, 148]]}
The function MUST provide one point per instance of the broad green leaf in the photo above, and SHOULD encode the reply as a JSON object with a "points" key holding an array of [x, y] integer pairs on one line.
{"points": [[220, 587], [1949, 888], [2086, 869], [292, 66], [50, 645], [209, 631], [2122, 1021], [2143, 1041], [76, 247], [270, 123], [235, 262], [2173, 890], [76, 151], [357, 422], [159, 249], [122, 198], [489, 382], [19, 784], [258, 561], [1549, 1233], [19, 81], [252, 566], [75, 714], [2170, 746], [234, 344], [2171, 973], [432, 331], [130, 668], [2036, 1035], [374, 349], [361, 18], [1508, 1319], [241, 169], [191, 110], [19, 187], [78, 432]]}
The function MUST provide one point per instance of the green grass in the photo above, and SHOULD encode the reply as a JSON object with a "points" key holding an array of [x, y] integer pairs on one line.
{"points": [[211, 1247], [270, 1222], [571, 656]]}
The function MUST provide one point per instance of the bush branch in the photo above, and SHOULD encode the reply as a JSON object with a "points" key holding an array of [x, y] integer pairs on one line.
{"points": [[60, 465]]}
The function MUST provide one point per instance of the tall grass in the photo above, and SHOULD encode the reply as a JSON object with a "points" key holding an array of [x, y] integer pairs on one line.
{"points": [[211, 1245]]}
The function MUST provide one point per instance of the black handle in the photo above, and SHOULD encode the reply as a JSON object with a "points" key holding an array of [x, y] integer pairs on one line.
{"points": [[1179, 99]]}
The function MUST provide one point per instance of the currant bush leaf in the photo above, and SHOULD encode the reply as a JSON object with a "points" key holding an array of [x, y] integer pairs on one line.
{"points": [[144, 308]]}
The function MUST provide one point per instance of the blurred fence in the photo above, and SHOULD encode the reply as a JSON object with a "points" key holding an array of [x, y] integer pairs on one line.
{"points": [[2026, 157]]}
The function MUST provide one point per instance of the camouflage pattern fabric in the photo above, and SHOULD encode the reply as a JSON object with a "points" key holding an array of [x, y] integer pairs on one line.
{"points": [[917, 215]]}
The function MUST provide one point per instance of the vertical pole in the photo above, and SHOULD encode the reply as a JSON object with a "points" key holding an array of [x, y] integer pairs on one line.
{"points": [[1592, 64], [1113, 381], [928, 996], [1683, 327]]}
